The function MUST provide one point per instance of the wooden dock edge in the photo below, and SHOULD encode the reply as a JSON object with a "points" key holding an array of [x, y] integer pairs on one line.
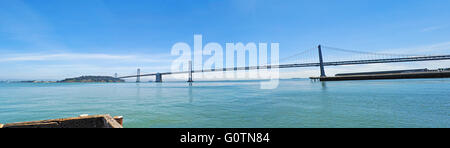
{"points": [[84, 121]]}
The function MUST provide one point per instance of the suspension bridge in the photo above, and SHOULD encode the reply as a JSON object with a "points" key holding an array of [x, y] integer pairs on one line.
{"points": [[328, 58]]}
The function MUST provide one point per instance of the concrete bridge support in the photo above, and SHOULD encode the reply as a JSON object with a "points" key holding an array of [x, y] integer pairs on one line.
{"points": [[158, 78]]}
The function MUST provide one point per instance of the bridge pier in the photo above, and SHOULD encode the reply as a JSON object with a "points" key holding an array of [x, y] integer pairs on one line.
{"points": [[158, 78]]}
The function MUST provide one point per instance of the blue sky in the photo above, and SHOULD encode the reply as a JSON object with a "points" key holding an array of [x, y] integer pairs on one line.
{"points": [[54, 39]]}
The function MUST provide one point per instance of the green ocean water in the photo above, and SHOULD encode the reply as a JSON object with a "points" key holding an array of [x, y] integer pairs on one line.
{"points": [[234, 104]]}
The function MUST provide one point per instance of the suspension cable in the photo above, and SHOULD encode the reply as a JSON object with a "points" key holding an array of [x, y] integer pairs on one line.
{"points": [[372, 53], [295, 55]]}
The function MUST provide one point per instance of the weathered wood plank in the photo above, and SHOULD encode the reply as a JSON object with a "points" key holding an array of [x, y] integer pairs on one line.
{"points": [[112, 122]]}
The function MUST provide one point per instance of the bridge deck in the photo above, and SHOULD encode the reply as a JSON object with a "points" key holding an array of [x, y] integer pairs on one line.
{"points": [[356, 62]]}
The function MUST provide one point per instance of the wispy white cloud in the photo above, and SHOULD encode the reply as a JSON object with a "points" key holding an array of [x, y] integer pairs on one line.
{"points": [[82, 56], [432, 28], [62, 65], [64, 56]]}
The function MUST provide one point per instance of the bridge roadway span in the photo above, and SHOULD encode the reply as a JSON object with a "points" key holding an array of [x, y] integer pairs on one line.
{"points": [[357, 62]]}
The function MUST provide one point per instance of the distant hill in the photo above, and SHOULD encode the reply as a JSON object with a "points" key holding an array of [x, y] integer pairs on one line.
{"points": [[90, 79]]}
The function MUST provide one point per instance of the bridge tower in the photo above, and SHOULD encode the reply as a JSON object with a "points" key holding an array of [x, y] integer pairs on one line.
{"points": [[190, 72], [138, 76], [158, 78], [322, 69], [115, 75]]}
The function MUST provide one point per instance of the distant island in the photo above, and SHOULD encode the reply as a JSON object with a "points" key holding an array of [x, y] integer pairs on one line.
{"points": [[91, 79]]}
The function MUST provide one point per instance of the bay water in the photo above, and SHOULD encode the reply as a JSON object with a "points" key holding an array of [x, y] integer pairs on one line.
{"points": [[296, 103]]}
